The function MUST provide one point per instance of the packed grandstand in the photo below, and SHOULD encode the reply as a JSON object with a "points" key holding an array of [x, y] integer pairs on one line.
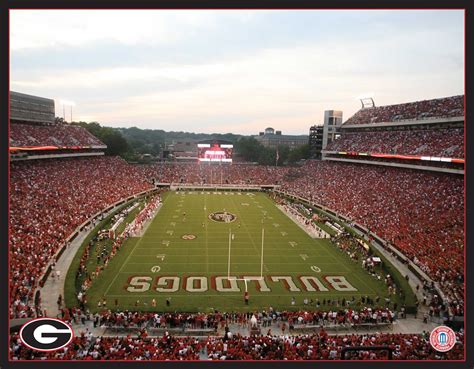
{"points": [[419, 213]]}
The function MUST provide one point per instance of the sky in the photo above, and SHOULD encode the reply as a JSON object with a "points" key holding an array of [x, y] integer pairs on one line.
{"points": [[232, 70]]}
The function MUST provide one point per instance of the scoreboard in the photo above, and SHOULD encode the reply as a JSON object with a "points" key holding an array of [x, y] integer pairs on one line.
{"points": [[215, 152]]}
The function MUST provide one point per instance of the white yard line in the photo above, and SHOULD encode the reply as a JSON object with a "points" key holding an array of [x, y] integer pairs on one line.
{"points": [[246, 229], [206, 231]]}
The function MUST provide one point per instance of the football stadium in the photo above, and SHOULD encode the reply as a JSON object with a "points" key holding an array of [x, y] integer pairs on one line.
{"points": [[219, 185], [355, 254]]}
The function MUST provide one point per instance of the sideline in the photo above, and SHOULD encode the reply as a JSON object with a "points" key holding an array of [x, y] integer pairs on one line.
{"points": [[54, 287], [310, 232], [409, 325], [144, 228]]}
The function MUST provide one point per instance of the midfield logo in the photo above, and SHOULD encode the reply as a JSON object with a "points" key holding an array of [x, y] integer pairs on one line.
{"points": [[222, 216]]}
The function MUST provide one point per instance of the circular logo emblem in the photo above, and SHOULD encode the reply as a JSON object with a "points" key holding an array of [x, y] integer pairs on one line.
{"points": [[223, 216], [442, 338], [188, 236], [46, 334]]}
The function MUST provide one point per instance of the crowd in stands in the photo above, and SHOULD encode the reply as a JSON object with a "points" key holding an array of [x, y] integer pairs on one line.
{"points": [[443, 108], [87, 347], [420, 213], [131, 230], [427, 207], [168, 347], [143, 344], [202, 174], [60, 135], [447, 142], [340, 313], [291, 346], [317, 346], [321, 346], [417, 212], [48, 200]]}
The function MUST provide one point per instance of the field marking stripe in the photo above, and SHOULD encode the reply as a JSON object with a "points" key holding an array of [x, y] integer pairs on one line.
{"points": [[246, 229], [321, 247], [284, 218], [207, 233]]}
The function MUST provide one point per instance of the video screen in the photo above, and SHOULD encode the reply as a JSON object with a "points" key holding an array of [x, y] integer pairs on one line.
{"points": [[215, 152]]}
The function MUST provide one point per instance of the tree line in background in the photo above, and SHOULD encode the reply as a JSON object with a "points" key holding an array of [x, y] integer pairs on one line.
{"points": [[132, 143]]}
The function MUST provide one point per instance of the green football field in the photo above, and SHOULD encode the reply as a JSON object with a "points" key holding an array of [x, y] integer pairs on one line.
{"points": [[184, 256]]}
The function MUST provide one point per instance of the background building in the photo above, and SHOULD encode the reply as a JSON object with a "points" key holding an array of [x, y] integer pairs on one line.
{"points": [[332, 125], [35, 134], [183, 149], [316, 141], [273, 139], [31, 109]]}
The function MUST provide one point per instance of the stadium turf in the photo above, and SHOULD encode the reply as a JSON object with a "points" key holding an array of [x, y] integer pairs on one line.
{"points": [[288, 252]]}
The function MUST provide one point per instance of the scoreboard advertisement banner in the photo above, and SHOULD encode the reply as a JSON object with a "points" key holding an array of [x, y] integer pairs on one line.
{"points": [[215, 152]]}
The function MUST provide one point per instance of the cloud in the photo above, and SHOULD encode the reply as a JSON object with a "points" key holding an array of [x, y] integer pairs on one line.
{"points": [[237, 71], [59, 28]]}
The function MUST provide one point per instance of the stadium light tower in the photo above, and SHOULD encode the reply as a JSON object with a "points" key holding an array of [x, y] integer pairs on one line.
{"points": [[67, 103], [367, 100]]}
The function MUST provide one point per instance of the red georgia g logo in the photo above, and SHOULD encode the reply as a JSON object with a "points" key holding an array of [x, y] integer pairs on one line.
{"points": [[442, 338]]}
